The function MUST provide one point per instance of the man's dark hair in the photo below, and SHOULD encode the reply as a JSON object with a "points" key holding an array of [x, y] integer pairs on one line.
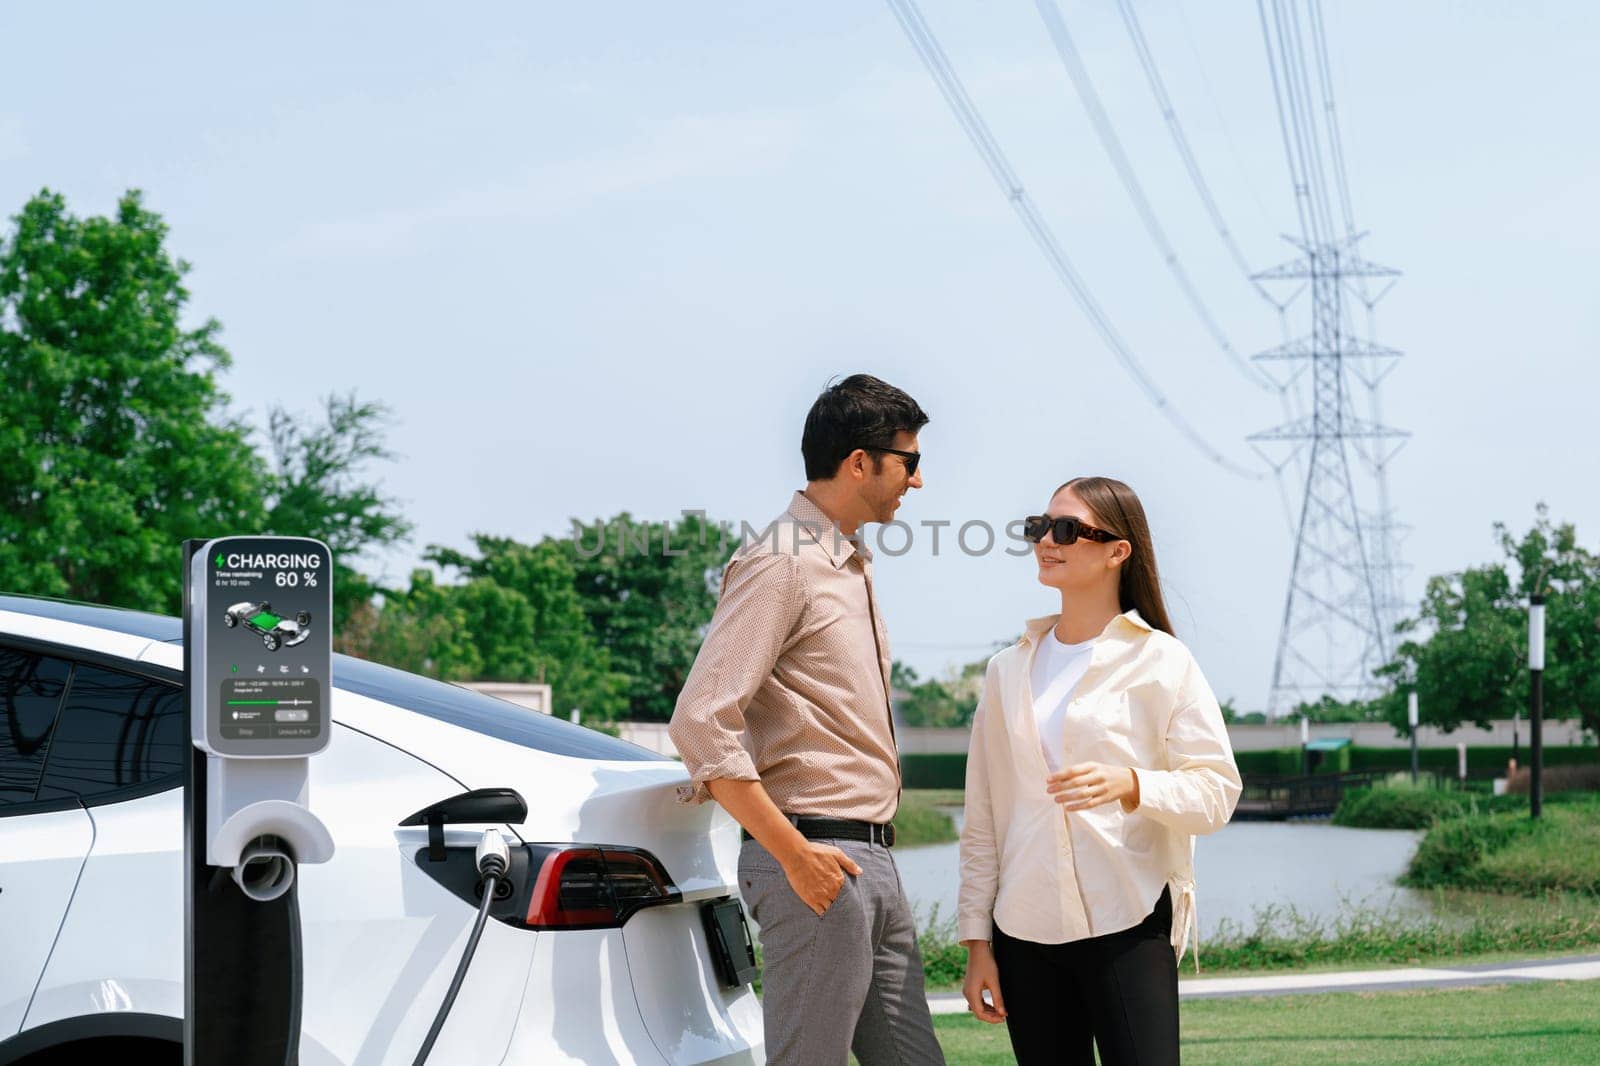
{"points": [[858, 412]]}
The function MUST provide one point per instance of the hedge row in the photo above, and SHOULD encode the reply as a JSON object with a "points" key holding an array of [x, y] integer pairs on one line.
{"points": [[1477, 758], [950, 770], [934, 771]]}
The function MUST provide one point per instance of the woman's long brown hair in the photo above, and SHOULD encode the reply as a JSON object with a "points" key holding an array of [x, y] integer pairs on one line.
{"points": [[1117, 509]]}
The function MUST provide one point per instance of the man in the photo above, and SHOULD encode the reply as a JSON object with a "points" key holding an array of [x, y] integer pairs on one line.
{"points": [[785, 721]]}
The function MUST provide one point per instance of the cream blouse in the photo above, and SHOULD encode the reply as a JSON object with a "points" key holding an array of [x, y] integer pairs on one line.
{"points": [[1052, 876]]}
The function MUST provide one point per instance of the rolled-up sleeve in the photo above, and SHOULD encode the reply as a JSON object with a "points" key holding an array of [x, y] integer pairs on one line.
{"points": [[980, 860], [762, 600], [1199, 787]]}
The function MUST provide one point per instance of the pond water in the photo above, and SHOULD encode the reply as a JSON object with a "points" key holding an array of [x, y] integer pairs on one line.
{"points": [[1317, 868]]}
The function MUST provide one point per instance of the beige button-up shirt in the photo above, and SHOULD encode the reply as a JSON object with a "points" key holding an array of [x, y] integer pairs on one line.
{"points": [[791, 685], [1052, 876]]}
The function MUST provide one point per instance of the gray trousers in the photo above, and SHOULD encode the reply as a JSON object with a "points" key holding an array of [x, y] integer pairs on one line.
{"points": [[850, 980]]}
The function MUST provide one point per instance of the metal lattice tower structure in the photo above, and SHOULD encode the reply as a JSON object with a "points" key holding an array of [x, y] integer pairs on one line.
{"points": [[1343, 595]]}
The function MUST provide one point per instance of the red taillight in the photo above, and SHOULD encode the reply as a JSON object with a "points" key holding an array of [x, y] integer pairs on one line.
{"points": [[586, 887]]}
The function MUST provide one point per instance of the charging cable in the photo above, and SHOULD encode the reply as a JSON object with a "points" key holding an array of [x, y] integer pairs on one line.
{"points": [[493, 858]]}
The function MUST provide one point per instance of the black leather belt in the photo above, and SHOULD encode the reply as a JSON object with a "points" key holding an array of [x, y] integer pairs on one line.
{"points": [[813, 828]]}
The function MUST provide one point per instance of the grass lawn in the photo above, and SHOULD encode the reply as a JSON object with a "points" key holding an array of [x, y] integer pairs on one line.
{"points": [[1558, 1022], [918, 821], [937, 797]]}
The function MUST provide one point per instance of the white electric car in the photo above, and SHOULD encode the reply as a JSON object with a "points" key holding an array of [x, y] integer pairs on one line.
{"points": [[601, 955]]}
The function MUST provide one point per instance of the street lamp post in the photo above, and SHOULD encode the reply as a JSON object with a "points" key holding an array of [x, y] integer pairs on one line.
{"points": [[1411, 717], [1536, 704], [1305, 742]]}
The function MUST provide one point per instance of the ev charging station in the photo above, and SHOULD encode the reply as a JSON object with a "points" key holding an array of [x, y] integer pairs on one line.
{"points": [[258, 666]]}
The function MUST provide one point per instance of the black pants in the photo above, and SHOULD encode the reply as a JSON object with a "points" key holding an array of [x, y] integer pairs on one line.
{"points": [[1118, 991]]}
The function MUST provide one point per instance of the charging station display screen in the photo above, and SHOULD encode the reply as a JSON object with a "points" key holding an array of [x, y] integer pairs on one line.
{"points": [[262, 659]]}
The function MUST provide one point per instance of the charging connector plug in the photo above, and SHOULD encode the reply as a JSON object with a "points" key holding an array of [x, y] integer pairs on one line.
{"points": [[494, 857], [493, 860]]}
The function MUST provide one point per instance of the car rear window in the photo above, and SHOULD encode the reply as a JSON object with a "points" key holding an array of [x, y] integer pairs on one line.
{"points": [[482, 714], [31, 687]]}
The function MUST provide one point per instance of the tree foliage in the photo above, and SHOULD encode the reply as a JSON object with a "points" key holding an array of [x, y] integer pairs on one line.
{"points": [[527, 621], [115, 443], [1329, 709], [1466, 654], [611, 617], [648, 590], [318, 490], [950, 702]]}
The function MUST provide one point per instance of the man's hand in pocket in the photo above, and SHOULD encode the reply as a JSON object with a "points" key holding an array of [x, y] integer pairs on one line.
{"points": [[816, 872]]}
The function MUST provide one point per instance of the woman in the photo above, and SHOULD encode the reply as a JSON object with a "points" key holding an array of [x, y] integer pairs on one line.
{"points": [[1098, 753]]}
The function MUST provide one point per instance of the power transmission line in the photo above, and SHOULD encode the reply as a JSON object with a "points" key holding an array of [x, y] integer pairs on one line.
{"points": [[1191, 164], [1106, 132], [1222, 122], [1325, 76], [1180, 139], [977, 131], [1291, 156]]}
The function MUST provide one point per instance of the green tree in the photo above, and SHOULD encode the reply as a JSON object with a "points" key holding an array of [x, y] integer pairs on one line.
{"points": [[1466, 653], [1329, 709], [526, 622], [422, 628], [1233, 716], [949, 703], [318, 490], [115, 441], [649, 590]]}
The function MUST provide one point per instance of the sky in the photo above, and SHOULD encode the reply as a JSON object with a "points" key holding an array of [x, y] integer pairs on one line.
{"points": [[598, 258]]}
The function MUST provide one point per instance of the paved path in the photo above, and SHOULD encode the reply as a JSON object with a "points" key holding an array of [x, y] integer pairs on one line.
{"points": [[1567, 968]]}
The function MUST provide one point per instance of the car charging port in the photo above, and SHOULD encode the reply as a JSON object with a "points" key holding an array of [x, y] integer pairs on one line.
{"points": [[503, 890]]}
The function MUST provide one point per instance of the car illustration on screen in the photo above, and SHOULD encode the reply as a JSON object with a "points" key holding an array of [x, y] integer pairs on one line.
{"points": [[276, 631]]}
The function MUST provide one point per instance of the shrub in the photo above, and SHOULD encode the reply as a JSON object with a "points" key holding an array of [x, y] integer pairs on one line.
{"points": [[1398, 808], [1512, 853], [1468, 923], [944, 960], [1452, 851], [1562, 854]]}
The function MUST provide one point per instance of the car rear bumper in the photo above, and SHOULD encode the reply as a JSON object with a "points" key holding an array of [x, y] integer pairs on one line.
{"points": [[584, 1004]]}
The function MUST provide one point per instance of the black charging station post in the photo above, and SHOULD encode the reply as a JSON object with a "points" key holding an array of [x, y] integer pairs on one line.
{"points": [[242, 958]]}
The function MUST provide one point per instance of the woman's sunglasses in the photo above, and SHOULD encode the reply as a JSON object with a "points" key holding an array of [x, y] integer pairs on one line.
{"points": [[1067, 529]]}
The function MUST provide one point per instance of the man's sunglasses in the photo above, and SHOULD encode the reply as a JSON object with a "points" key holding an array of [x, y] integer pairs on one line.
{"points": [[1067, 529], [911, 458]]}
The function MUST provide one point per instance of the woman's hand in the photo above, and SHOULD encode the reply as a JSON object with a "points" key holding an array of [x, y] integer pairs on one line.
{"points": [[983, 974], [1091, 784]]}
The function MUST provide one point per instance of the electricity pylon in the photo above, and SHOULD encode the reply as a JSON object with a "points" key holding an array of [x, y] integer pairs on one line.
{"points": [[1338, 614]]}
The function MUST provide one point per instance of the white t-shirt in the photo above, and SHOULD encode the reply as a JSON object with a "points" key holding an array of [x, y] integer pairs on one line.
{"points": [[1057, 669]]}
